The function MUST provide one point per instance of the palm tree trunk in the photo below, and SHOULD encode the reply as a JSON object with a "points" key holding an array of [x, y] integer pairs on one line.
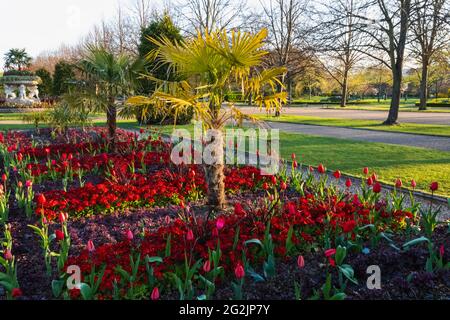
{"points": [[214, 172], [111, 119]]}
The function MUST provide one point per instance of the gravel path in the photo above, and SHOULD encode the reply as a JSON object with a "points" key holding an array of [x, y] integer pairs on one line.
{"points": [[406, 139], [410, 117]]}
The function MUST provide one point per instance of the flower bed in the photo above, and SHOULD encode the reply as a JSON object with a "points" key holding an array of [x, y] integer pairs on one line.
{"points": [[138, 228]]}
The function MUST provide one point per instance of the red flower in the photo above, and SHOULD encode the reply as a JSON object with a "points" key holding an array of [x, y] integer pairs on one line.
{"points": [[398, 183], [239, 271], [90, 246], [295, 164], [129, 235], [220, 223], [441, 250], [16, 292], [369, 181], [330, 252], [238, 210], [348, 226], [413, 184], [4, 177], [40, 199], [8, 255], [337, 174], [59, 235], [321, 169], [348, 183], [332, 262], [300, 262], [366, 171], [283, 185], [434, 186], [189, 235], [155, 294], [273, 179], [374, 177], [377, 187], [207, 266], [62, 217], [293, 156], [265, 186]]}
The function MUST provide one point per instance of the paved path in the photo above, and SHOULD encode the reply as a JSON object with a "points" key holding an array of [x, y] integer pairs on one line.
{"points": [[412, 117], [431, 142]]}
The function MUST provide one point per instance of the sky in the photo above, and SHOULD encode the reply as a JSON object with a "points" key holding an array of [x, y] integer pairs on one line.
{"points": [[44, 25]]}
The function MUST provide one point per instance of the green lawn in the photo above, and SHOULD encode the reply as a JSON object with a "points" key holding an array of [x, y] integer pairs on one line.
{"points": [[389, 161], [424, 129]]}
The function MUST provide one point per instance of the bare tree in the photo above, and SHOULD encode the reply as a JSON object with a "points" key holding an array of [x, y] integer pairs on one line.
{"points": [[430, 29], [286, 23], [201, 15], [387, 37], [337, 39]]}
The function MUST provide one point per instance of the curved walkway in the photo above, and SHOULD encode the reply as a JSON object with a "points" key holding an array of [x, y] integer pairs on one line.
{"points": [[409, 117], [430, 142]]}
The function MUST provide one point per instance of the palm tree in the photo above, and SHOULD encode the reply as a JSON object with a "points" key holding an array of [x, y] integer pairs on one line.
{"points": [[210, 63], [17, 59], [107, 77]]}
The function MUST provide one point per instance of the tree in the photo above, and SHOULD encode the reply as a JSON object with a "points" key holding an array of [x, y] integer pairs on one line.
{"points": [[430, 28], [106, 77], [210, 63], [209, 15], [160, 27], [339, 40], [45, 88], [283, 19], [388, 36], [17, 59], [63, 74]]}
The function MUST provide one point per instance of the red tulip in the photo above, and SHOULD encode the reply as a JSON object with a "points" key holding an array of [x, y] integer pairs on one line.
{"points": [[238, 210], [155, 294], [434, 186], [398, 183], [273, 179], [4, 177], [62, 217], [8, 255], [295, 164], [321, 169], [220, 223], [293, 156], [348, 183], [377, 187], [337, 174], [40, 199], [47, 151], [129, 235], [59, 235], [207, 266], [16, 292], [301, 262], [90, 246], [283, 185], [28, 183], [141, 131], [374, 177], [265, 186], [239, 271], [330, 252], [369, 181], [441, 250], [167, 219], [366, 171], [413, 184], [189, 235]]}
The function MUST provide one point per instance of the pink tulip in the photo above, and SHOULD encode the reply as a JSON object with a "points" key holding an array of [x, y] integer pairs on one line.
{"points": [[129, 235], [90, 246], [220, 223], [207, 266], [300, 262], [239, 271], [189, 235], [413, 184], [155, 294]]}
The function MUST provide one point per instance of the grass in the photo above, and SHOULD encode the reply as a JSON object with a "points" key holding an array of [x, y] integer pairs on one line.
{"points": [[389, 161], [416, 128]]}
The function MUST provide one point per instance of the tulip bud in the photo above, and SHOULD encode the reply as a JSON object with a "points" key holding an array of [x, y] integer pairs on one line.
{"points": [[398, 183], [239, 271], [90, 246], [413, 184], [366, 171], [189, 235], [348, 183], [434, 186], [207, 266], [300, 262], [129, 235], [220, 223], [155, 294], [8, 255], [59, 235]]}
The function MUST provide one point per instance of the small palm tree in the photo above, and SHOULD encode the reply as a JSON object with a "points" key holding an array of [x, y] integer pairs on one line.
{"points": [[106, 77], [210, 64], [17, 59]]}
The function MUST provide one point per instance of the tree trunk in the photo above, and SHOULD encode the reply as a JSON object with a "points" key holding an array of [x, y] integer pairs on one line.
{"points": [[250, 99], [424, 86], [396, 95], [344, 89], [111, 119], [214, 173]]}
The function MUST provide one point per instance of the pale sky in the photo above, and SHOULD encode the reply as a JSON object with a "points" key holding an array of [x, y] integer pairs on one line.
{"points": [[44, 25], [41, 25]]}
